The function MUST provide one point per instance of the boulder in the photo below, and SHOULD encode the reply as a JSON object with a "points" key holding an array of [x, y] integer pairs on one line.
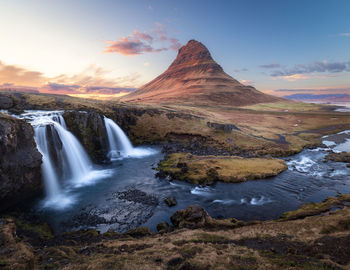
{"points": [[170, 201], [163, 227], [20, 162], [194, 216], [225, 127]]}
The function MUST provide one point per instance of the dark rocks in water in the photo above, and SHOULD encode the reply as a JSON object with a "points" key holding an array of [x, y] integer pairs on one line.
{"points": [[20, 163], [120, 211], [194, 216], [138, 196], [170, 201], [90, 130], [225, 127], [163, 227]]}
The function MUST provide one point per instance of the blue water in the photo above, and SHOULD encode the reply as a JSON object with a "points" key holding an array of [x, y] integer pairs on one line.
{"points": [[307, 179]]}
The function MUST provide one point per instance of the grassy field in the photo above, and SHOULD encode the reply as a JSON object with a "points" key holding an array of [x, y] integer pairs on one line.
{"points": [[277, 129]]}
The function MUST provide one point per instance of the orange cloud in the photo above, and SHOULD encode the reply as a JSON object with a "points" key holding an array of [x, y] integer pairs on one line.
{"points": [[10, 74], [93, 82]]}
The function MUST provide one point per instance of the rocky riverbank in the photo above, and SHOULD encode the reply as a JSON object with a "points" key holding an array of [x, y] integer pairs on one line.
{"points": [[20, 162], [318, 240]]}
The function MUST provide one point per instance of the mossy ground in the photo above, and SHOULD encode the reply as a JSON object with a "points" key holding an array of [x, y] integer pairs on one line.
{"points": [[208, 169], [310, 209], [305, 243]]}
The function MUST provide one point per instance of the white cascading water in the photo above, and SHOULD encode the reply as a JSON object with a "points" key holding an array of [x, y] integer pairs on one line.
{"points": [[75, 167], [120, 145]]}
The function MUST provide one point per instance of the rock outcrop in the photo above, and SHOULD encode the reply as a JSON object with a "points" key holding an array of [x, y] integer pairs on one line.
{"points": [[194, 216], [195, 78], [90, 130], [20, 162]]}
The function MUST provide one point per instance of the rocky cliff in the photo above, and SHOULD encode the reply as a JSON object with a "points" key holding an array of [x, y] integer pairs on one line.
{"points": [[195, 78], [20, 162]]}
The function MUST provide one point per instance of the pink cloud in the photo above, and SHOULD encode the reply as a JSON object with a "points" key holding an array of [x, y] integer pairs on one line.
{"points": [[127, 46], [142, 42], [142, 36]]}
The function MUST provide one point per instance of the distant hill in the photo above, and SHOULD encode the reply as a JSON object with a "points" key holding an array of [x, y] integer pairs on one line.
{"points": [[323, 97], [195, 78]]}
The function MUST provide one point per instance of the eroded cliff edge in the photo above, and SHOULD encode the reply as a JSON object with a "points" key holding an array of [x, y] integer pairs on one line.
{"points": [[20, 162]]}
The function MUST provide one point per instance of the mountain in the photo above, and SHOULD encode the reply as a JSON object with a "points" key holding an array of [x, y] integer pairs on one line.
{"points": [[195, 78]]}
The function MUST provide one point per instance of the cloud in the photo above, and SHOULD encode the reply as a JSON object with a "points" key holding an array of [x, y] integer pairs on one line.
{"points": [[94, 81], [317, 66], [127, 46], [174, 44], [294, 77], [142, 36], [272, 65], [142, 42], [17, 75], [240, 70], [344, 34], [247, 82]]}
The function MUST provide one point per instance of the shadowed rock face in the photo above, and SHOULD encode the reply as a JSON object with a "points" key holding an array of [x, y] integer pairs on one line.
{"points": [[20, 162], [195, 78], [90, 130]]}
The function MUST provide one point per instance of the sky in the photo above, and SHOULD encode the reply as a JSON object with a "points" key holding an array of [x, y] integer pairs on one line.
{"points": [[103, 49]]}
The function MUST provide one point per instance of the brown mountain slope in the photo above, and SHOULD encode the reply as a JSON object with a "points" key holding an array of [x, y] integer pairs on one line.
{"points": [[195, 78]]}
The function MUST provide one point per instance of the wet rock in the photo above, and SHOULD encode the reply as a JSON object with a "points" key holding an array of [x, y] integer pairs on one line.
{"points": [[120, 211], [225, 127], [20, 162], [194, 216], [138, 196], [170, 201]]}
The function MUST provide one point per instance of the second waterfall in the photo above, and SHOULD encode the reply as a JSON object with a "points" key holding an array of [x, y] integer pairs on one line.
{"points": [[120, 145]]}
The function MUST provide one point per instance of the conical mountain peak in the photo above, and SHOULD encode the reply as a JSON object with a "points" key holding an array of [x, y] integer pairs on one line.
{"points": [[192, 54], [195, 78]]}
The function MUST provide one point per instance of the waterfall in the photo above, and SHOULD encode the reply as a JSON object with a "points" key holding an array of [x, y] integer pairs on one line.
{"points": [[120, 145], [51, 182], [65, 162]]}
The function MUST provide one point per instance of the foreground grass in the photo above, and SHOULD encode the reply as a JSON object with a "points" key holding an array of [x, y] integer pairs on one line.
{"points": [[208, 169], [310, 242]]}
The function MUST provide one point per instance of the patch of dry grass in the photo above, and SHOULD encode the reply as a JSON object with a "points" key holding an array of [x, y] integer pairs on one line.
{"points": [[208, 169]]}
